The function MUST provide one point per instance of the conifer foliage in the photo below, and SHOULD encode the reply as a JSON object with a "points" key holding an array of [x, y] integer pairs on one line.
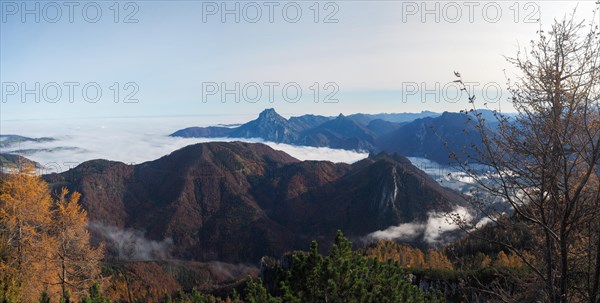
{"points": [[341, 276], [44, 244], [77, 261]]}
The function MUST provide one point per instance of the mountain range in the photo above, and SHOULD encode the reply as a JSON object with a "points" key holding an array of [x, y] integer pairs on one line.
{"points": [[428, 135], [11, 140], [236, 202]]}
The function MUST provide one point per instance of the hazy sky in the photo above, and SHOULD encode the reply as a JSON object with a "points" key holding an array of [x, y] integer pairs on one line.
{"points": [[167, 57]]}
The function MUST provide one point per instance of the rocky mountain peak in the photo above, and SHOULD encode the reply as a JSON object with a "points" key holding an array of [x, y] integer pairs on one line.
{"points": [[270, 114]]}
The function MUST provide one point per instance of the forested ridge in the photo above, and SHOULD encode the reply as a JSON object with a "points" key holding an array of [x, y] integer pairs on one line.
{"points": [[46, 256]]}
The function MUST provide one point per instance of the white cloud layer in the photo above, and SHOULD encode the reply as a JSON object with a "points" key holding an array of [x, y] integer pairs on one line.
{"points": [[132, 141]]}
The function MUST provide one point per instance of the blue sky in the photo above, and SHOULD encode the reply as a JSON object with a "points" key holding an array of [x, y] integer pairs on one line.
{"points": [[380, 56]]}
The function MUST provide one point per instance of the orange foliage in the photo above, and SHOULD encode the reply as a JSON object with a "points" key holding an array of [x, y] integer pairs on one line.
{"points": [[408, 256], [45, 243], [24, 223], [437, 260], [77, 261], [511, 260]]}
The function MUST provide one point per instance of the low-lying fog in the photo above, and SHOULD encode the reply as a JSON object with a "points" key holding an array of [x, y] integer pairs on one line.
{"points": [[132, 140]]}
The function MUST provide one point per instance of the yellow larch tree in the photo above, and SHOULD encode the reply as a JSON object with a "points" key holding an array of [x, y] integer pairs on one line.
{"points": [[77, 261], [45, 244], [27, 248], [437, 260], [502, 260]]}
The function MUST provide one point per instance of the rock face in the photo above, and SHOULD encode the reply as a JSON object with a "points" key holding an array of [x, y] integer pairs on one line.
{"points": [[269, 126], [236, 202]]}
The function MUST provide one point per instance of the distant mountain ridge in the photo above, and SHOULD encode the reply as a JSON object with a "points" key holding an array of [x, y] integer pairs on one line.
{"points": [[428, 135], [10, 162], [434, 138], [393, 117], [357, 131], [11, 140], [236, 202]]}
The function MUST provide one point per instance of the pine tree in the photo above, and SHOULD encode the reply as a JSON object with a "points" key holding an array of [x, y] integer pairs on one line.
{"points": [[257, 293], [94, 295], [44, 298], [342, 276]]}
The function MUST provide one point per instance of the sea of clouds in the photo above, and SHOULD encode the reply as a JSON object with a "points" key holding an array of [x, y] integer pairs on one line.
{"points": [[132, 140]]}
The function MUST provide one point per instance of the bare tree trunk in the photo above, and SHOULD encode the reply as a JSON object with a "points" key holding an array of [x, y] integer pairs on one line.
{"points": [[549, 268]]}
